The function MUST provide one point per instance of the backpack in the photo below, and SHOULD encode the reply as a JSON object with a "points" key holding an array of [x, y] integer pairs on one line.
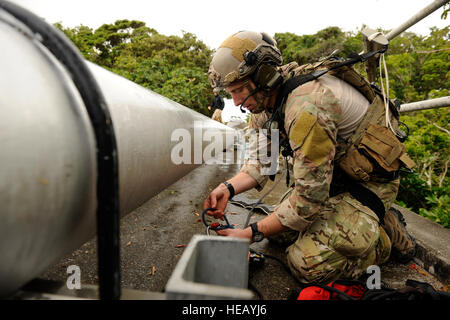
{"points": [[356, 290], [374, 152]]}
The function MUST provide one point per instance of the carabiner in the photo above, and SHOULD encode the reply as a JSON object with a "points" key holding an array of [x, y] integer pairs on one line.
{"points": [[215, 226]]}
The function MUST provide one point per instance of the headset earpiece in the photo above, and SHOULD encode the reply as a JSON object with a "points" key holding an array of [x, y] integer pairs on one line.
{"points": [[267, 77], [250, 58]]}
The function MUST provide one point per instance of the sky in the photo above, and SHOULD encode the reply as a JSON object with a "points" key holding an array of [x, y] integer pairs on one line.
{"points": [[213, 21]]}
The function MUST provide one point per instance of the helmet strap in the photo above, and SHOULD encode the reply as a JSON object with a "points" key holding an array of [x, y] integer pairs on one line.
{"points": [[259, 99], [252, 93]]}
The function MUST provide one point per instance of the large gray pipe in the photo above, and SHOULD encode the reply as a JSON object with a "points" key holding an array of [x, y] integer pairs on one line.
{"points": [[426, 104], [416, 18], [47, 153]]}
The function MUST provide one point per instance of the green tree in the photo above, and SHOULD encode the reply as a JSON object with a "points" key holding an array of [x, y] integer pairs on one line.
{"points": [[170, 65], [310, 48], [419, 66]]}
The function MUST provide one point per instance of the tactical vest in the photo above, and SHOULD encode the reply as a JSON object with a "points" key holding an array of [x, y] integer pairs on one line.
{"points": [[373, 152]]}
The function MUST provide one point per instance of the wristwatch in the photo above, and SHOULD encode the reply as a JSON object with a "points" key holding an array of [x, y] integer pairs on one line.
{"points": [[257, 236], [230, 188]]}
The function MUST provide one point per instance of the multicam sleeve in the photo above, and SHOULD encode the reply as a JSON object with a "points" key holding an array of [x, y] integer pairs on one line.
{"points": [[259, 164], [311, 118]]}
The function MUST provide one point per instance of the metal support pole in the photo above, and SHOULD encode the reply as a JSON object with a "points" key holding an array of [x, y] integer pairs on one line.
{"points": [[372, 64], [426, 104], [416, 18], [373, 42]]}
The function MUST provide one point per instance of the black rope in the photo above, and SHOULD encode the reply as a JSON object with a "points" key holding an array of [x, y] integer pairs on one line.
{"points": [[285, 267], [108, 216]]}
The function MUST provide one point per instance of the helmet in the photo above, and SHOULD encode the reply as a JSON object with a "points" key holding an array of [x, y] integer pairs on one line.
{"points": [[242, 55]]}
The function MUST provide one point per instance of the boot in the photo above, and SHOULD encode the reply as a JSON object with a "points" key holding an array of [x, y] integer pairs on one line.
{"points": [[403, 244]]}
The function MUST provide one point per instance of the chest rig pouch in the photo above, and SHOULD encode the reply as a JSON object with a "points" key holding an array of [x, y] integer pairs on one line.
{"points": [[374, 152]]}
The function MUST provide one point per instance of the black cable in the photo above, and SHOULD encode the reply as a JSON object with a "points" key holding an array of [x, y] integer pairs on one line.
{"points": [[286, 268], [108, 215]]}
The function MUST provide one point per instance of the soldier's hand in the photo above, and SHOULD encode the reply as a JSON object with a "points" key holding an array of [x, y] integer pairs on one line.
{"points": [[236, 233], [217, 199]]}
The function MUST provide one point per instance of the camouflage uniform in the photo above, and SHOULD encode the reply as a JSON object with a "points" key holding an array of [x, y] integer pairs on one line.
{"points": [[217, 115], [338, 236]]}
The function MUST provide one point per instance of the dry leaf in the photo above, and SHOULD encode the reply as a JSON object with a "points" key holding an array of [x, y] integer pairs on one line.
{"points": [[422, 272], [418, 269], [153, 271], [128, 243]]}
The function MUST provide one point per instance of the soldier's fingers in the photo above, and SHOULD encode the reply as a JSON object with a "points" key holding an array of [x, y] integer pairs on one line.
{"points": [[206, 204], [213, 201], [219, 214], [223, 233]]}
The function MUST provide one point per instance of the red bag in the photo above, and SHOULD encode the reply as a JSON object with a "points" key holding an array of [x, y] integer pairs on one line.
{"points": [[333, 291]]}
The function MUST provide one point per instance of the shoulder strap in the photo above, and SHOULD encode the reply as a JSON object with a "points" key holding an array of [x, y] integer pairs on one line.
{"points": [[294, 82]]}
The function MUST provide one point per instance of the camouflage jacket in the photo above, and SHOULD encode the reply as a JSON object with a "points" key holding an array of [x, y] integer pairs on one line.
{"points": [[312, 113]]}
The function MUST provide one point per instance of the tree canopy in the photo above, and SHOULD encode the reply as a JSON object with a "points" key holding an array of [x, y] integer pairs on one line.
{"points": [[173, 66]]}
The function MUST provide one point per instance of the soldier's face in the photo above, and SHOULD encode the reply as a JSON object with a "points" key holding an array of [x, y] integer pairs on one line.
{"points": [[240, 91]]}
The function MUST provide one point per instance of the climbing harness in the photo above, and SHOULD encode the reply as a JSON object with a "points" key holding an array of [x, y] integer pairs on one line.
{"points": [[216, 226]]}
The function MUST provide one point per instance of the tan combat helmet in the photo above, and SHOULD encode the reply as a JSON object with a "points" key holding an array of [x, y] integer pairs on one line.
{"points": [[242, 55]]}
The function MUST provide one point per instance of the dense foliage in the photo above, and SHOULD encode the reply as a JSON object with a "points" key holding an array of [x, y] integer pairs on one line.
{"points": [[418, 69], [173, 66]]}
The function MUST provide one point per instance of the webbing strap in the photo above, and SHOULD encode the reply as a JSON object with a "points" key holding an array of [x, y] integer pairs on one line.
{"points": [[293, 83]]}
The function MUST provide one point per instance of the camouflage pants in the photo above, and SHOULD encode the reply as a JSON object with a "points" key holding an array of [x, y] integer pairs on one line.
{"points": [[341, 243], [217, 115]]}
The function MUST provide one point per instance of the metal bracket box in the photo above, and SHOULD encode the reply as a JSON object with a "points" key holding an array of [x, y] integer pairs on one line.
{"points": [[211, 267]]}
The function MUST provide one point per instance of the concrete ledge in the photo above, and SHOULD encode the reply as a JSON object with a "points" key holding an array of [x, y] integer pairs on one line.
{"points": [[210, 268], [433, 244]]}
